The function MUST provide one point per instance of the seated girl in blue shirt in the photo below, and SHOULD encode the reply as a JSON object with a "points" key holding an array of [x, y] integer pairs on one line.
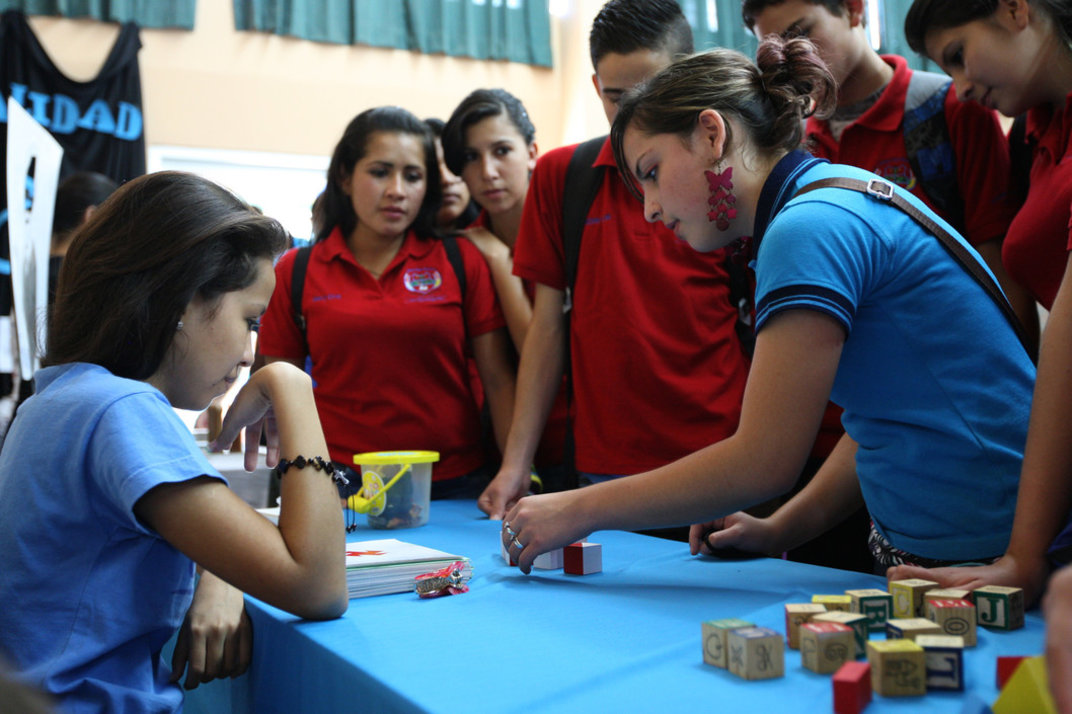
{"points": [[106, 500]]}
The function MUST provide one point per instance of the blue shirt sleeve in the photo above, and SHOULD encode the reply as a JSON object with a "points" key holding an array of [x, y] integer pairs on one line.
{"points": [[140, 443]]}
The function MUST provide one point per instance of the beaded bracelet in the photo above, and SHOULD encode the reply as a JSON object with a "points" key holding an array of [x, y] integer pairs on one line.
{"points": [[316, 462]]}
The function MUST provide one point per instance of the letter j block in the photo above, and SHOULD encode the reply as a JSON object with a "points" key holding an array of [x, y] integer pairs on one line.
{"points": [[999, 607]]}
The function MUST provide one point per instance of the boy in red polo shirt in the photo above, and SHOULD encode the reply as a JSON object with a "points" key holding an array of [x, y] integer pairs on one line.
{"points": [[657, 368], [906, 126]]}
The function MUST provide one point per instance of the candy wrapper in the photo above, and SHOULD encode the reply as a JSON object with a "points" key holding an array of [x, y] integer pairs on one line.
{"points": [[450, 580]]}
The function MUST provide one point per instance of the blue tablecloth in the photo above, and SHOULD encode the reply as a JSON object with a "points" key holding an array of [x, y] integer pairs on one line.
{"points": [[626, 639]]}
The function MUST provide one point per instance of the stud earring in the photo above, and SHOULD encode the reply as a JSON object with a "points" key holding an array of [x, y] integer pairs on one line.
{"points": [[721, 199], [178, 327]]}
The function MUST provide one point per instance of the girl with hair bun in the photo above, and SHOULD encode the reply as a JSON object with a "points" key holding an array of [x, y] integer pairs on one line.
{"points": [[855, 302]]}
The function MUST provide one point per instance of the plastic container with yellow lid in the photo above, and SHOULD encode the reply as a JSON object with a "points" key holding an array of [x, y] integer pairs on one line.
{"points": [[396, 487]]}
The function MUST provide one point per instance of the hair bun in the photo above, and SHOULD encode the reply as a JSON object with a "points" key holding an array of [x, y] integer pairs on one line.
{"points": [[795, 77]]}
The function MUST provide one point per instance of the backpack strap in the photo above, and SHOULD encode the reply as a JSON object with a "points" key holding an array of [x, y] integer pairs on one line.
{"points": [[1021, 154], [929, 145], [454, 255], [581, 186], [297, 287], [883, 191]]}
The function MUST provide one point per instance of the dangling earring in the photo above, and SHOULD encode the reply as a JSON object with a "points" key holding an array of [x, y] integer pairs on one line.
{"points": [[722, 199], [178, 327]]}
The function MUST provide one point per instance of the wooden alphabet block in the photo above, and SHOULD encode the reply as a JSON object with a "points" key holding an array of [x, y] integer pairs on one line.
{"points": [[910, 628], [834, 602], [1028, 690], [908, 596], [955, 617], [999, 607], [552, 560], [582, 558], [898, 668], [947, 594], [714, 634], [825, 646], [756, 653], [852, 688], [876, 604], [796, 614], [859, 624], [1006, 667], [945, 661]]}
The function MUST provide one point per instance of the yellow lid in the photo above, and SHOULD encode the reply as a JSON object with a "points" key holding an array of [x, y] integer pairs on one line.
{"points": [[375, 458]]}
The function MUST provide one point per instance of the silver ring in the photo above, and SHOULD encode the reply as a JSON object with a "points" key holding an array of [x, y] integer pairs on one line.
{"points": [[518, 543], [509, 531]]}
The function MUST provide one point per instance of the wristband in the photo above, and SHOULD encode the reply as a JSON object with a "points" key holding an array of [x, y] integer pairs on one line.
{"points": [[316, 462]]}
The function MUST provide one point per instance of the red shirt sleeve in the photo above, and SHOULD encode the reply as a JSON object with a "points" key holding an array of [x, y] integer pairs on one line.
{"points": [[538, 252], [982, 156]]}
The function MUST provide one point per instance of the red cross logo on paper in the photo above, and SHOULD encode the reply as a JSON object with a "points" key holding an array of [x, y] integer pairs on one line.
{"points": [[897, 171], [356, 553], [422, 280]]}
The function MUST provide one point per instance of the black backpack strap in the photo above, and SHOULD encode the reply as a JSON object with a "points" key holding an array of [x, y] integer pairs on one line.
{"points": [[1021, 154], [454, 255], [884, 191], [581, 186], [297, 287]]}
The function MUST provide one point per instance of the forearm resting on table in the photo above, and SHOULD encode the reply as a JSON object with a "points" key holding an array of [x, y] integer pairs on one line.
{"points": [[299, 566]]}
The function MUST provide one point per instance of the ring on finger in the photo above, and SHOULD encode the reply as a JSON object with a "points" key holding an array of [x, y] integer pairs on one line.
{"points": [[517, 543], [509, 531]]}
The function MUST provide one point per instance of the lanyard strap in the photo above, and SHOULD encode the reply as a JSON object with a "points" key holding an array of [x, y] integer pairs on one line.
{"points": [[883, 191]]}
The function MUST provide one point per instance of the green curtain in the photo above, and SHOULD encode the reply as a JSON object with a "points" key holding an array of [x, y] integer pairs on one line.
{"points": [[514, 30], [146, 13], [717, 23], [893, 37]]}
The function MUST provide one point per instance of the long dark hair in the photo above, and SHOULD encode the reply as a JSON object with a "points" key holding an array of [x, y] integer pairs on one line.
{"points": [[352, 147], [770, 98], [929, 15], [479, 105], [147, 251]]}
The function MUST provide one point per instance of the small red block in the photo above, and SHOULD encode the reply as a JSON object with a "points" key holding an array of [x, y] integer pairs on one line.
{"points": [[1006, 667], [582, 558], [852, 688]]}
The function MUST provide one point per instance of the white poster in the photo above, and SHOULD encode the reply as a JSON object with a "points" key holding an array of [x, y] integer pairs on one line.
{"points": [[33, 170]]}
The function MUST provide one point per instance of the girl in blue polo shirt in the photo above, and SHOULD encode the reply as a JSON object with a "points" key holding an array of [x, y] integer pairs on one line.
{"points": [[855, 303], [106, 501]]}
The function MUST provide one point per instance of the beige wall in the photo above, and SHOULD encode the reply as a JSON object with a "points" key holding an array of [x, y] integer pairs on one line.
{"points": [[221, 89]]}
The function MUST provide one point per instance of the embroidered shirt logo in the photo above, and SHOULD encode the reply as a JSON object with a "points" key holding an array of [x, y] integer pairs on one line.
{"points": [[898, 171], [422, 280]]}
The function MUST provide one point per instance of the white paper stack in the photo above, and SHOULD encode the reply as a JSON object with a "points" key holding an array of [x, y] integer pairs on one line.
{"points": [[380, 567]]}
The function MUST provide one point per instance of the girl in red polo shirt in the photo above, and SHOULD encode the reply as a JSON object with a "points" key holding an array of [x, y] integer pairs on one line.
{"points": [[490, 142], [389, 324], [1015, 56]]}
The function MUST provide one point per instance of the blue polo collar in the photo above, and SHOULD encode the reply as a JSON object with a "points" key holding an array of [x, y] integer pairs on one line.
{"points": [[776, 192]]}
